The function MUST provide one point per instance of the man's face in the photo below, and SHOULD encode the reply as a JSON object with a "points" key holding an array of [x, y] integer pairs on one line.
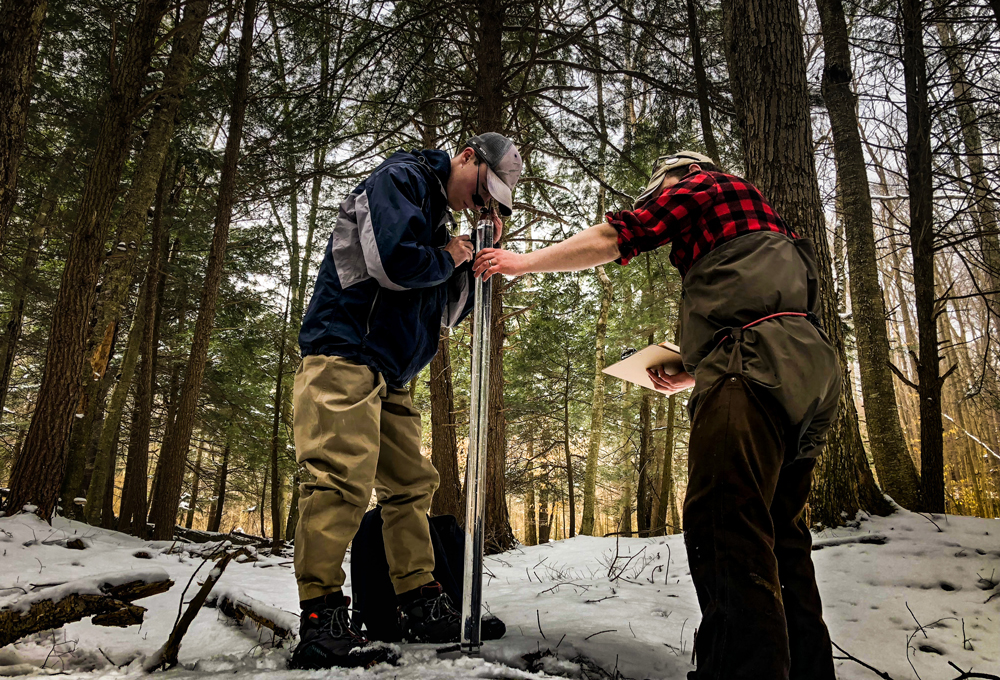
{"points": [[465, 175]]}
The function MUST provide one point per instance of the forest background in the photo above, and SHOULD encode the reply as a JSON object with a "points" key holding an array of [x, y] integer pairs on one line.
{"points": [[170, 172]]}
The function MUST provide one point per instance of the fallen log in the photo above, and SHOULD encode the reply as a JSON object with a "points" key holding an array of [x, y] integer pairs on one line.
{"points": [[874, 539], [240, 607], [106, 597]]}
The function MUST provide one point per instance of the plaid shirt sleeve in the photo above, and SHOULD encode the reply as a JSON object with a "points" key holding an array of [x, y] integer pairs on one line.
{"points": [[661, 219]]}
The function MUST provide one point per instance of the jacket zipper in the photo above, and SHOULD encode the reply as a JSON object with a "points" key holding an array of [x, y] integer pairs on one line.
{"points": [[368, 322]]}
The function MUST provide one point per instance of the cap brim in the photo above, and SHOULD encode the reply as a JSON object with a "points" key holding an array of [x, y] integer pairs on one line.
{"points": [[652, 187], [499, 191]]}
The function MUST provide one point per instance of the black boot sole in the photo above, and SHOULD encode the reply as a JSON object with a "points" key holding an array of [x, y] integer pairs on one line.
{"points": [[313, 658]]}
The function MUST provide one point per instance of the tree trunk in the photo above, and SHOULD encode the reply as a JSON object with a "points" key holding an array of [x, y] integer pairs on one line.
{"points": [[625, 516], [597, 405], [195, 487], [544, 516], [984, 213], [644, 461], [667, 501], [113, 418], [768, 76], [656, 520], [172, 401], [169, 487], [448, 499], [293, 508], [133, 512], [489, 95], [38, 473], [597, 402], [530, 523], [215, 521], [896, 472], [262, 503], [20, 32], [276, 431], [36, 234], [88, 421], [569, 457], [921, 228], [108, 507], [701, 83]]}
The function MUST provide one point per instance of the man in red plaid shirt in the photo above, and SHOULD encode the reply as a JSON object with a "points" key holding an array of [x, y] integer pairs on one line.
{"points": [[766, 385]]}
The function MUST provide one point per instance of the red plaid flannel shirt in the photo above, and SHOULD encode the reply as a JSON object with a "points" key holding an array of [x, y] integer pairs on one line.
{"points": [[696, 215]]}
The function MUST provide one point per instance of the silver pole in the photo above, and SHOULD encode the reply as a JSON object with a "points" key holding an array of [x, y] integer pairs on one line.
{"points": [[475, 468]]}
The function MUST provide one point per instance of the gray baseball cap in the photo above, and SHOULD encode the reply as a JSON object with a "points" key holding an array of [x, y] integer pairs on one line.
{"points": [[503, 166], [665, 164]]}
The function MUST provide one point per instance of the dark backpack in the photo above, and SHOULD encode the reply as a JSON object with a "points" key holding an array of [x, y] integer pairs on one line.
{"points": [[374, 599]]}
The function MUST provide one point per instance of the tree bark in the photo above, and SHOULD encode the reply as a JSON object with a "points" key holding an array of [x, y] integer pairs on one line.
{"points": [[132, 515], [113, 417], [195, 487], [896, 472], [38, 473], [215, 521], [276, 431], [169, 487], [667, 501], [984, 213], [921, 229], [571, 492], [767, 72], [596, 405], [293, 508], [20, 33], [490, 105], [530, 521], [448, 499], [172, 400], [644, 461], [701, 82], [19, 296], [544, 516], [113, 595]]}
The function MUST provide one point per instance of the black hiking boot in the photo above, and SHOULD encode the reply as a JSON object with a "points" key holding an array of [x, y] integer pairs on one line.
{"points": [[327, 639], [427, 614]]}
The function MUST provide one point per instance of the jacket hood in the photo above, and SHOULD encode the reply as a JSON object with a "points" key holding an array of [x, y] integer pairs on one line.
{"points": [[438, 161]]}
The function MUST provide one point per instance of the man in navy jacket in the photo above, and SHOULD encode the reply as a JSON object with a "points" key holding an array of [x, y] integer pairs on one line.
{"points": [[393, 273]]}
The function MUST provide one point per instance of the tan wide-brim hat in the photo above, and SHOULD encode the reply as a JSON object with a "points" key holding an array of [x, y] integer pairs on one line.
{"points": [[665, 164]]}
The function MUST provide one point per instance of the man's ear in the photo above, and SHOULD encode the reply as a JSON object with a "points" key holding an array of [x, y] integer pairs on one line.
{"points": [[468, 154], [694, 167]]}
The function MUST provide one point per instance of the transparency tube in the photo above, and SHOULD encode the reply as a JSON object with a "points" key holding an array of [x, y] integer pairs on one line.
{"points": [[475, 468]]}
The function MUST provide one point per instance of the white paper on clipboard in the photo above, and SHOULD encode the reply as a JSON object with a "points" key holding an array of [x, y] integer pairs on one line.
{"points": [[633, 368]]}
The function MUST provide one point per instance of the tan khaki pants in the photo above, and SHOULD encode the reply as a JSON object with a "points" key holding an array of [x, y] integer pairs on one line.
{"points": [[353, 434]]}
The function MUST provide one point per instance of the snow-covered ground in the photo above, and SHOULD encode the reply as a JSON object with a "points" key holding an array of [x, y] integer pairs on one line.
{"points": [[878, 581]]}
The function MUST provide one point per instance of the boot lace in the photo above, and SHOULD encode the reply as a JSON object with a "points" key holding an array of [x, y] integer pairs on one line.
{"points": [[441, 609], [339, 625]]}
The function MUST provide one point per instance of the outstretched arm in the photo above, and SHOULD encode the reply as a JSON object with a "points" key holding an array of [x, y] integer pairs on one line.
{"points": [[589, 248]]}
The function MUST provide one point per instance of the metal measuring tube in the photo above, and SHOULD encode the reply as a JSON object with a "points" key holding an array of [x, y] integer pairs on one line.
{"points": [[475, 467]]}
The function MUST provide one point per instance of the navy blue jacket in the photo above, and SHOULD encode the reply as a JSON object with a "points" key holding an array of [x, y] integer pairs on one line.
{"points": [[386, 284]]}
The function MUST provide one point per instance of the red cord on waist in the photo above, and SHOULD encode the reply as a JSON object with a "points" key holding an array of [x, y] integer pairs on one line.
{"points": [[772, 316], [765, 318]]}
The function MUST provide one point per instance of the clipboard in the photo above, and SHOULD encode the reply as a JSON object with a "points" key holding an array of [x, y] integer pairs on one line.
{"points": [[633, 367]]}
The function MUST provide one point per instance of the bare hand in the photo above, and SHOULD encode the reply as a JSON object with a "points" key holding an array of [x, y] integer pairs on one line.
{"points": [[669, 384], [460, 248], [490, 261]]}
